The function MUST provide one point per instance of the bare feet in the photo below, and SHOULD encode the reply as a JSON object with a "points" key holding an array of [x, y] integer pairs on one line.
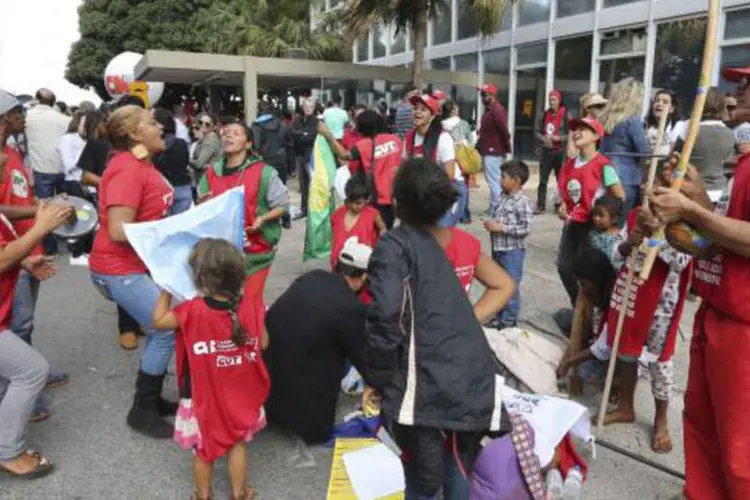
{"points": [[29, 464], [661, 441], [619, 416]]}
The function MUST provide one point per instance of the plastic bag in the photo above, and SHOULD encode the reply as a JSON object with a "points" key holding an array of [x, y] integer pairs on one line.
{"points": [[164, 245]]}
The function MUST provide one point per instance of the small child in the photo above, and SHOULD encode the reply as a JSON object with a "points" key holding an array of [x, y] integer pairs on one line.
{"points": [[607, 219], [509, 227], [355, 218], [222, 379]]}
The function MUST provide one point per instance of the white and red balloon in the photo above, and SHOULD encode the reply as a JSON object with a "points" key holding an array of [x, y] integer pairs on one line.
{"points": [[119, 74]]}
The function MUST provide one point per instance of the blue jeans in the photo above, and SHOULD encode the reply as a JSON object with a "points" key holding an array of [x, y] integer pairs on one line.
{"points": [[512, 262], [455, 485], [137, 294], [454, 214], [24, 306], [183, 199], [47, 186], [492, 166]]}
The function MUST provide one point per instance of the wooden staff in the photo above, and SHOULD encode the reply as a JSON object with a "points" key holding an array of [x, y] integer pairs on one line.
{"points": [[709, 51], [631, 263]]}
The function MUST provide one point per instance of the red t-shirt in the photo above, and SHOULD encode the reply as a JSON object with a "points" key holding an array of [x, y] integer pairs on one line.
{"points": [[133, 183], [463, 252], [364, 229], [16, 190], [8, 278], [229, 384]]}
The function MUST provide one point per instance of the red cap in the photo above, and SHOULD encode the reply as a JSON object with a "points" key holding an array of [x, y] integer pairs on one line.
{"points": [[488, 88], [591, 123], [439, 95], [736, 75], [555, 93], [428, 100]]}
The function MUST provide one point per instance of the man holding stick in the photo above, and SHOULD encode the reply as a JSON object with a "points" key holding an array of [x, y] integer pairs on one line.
{"points": [[717, 438]]}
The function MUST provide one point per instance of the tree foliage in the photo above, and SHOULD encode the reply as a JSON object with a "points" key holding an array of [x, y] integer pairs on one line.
{"points": [[247, 27]]}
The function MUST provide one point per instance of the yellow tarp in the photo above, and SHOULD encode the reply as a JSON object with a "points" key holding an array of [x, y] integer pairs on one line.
{"points": [[339, 487]]}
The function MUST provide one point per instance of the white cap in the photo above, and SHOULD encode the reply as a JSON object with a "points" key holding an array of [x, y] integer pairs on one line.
{"points": [[355, 254]]}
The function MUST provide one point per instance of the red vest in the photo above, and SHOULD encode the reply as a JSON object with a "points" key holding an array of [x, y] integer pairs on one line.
{"points": [[552, 124], [578, 186], [642, 304], [723, 281], [364, 229], [381, 157], [229, 384], [413, 151], [250, 177], [463, 252]]}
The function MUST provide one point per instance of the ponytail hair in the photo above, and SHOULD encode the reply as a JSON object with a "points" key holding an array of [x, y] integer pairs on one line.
{"points": [[218, 269]]}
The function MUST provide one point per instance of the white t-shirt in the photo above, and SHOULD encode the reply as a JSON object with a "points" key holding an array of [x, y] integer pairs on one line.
{"points": [[445, 151]]}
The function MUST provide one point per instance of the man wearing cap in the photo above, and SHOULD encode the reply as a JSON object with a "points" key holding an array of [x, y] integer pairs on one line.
{"points": [[314, 327], [551, 131], [494, 141], [19, 205]]}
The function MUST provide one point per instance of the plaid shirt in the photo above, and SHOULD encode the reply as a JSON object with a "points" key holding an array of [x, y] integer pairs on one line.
{"points": [[514, 212]]}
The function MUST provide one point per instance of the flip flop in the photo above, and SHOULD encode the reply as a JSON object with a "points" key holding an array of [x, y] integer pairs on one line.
{"points": [[56, 379], [43, 467]]}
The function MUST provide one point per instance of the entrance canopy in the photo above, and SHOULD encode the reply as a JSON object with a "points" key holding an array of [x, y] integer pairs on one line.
{"points": [[262, 73]]}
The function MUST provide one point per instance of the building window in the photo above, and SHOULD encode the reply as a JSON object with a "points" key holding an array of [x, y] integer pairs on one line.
{"points": [[497, 61], [530, 96], [379, 40], [533, 11], [678, 59], [612, 71], [398, 41], [441, 26], [573, 70], [467, 62], [736, 26], [615, 3], [442, 63], [733, 57], [567, 8], [629, 48], [363, 51], [626, 41], [532, 54], [466, 26]]}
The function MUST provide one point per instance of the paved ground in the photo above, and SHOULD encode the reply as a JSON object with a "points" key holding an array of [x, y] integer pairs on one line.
{"points": [[98, 457]]}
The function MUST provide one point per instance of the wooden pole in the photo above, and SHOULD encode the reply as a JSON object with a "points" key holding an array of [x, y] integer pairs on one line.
{"points": [[631, 263], [709, 53]]}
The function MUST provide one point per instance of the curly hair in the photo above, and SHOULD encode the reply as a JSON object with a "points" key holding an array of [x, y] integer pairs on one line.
{"points": [[625, 101], [422, 192]]}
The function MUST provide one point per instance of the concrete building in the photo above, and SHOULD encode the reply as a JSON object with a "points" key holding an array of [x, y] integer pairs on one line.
{"points": [[575, 46]]}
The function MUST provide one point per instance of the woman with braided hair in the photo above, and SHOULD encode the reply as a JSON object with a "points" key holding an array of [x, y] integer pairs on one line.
{"points": [[222, 379]]}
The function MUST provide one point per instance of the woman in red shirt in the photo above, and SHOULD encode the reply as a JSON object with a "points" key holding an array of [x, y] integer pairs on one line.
{"points": [[132, 190]]}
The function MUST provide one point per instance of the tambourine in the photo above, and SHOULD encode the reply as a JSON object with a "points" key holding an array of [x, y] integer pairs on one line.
{"points": [[686, 238], [86, 219]]}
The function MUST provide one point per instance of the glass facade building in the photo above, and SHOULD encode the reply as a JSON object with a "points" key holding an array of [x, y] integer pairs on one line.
{"points": [[575, 46]]}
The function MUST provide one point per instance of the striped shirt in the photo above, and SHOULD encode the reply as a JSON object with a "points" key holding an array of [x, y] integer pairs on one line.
{"points": [[514, 213], [404, 119]]}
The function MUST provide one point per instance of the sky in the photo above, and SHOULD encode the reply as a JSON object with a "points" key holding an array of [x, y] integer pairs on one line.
{"points": [[35, 40]]}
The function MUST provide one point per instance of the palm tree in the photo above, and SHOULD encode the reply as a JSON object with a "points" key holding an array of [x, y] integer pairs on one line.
{"points": [[359, 16], [253, 27]]}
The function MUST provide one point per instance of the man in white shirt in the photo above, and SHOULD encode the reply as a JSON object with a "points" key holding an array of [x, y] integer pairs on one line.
{"points": [[44, 128]]}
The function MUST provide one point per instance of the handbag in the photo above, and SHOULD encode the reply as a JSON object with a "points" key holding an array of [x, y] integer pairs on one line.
{"points": [[468, 159]]}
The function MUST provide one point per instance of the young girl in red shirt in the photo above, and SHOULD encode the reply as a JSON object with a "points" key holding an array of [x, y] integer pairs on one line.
{"points": [[223, 381]]}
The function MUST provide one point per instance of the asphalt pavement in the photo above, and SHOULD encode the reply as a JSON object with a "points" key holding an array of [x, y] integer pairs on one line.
{"points": [[98, 457]]}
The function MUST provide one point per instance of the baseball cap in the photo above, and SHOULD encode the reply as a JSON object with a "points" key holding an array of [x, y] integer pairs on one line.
{"points": [[439, 95], [735, 75], [355, 254], [8, 101], [593, 99], [488, 88], [591, 123], [427, 100]]}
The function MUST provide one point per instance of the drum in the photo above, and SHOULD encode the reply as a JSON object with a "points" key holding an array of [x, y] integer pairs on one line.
{"points": [[86, 220]]}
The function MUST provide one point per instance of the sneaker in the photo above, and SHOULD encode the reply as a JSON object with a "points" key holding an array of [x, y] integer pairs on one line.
{"points": [[82, 260]]}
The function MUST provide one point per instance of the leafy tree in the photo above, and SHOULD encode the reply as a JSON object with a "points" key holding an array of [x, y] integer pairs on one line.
{"points": [[360, 16]]}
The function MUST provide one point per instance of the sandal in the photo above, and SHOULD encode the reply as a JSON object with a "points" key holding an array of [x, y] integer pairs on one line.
{"points": [[43, 467]]}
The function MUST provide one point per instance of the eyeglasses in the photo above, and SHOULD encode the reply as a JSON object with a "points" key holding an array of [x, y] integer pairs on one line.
{"points": [[206, 124]]}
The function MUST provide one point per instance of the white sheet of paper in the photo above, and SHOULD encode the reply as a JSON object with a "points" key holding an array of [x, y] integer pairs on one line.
{"points": [[374, 472]]}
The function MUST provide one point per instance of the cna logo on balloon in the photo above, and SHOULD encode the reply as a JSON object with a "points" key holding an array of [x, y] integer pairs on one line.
{"points": [[116, 84]]}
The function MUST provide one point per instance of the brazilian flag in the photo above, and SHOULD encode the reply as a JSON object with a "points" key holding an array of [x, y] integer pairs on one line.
{"points": [[320, 204]]}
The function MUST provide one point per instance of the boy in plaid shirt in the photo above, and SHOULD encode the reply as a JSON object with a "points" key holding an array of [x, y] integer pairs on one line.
{"points": [[509, 227]]}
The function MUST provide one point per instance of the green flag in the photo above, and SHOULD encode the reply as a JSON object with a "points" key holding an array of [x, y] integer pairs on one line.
{"points": [[320, 204]]}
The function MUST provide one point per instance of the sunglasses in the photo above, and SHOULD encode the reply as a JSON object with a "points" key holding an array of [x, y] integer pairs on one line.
{"points": [[731, 108], [207, 124]]}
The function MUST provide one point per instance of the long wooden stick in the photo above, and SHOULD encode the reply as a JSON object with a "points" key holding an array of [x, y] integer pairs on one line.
{"points": [[631, 263], [709, 52]]}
